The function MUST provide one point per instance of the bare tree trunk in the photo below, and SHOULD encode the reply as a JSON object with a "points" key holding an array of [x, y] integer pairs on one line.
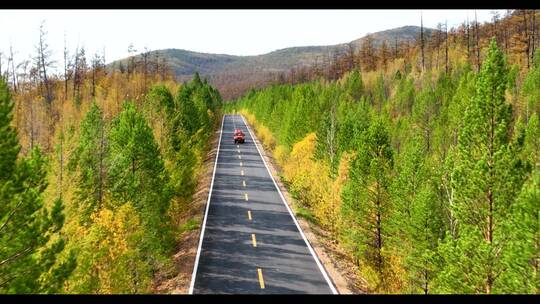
{"points": [[65, 68], [31, 104], [477, 43], [533, 35], [526, 30], [467, 34], [446, 46], [43, 65], [145, 62], [351, 56], [13, 70], [422, 39], [395, 48], [75, 72]]}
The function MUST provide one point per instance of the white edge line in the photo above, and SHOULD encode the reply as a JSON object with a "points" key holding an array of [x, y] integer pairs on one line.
{"points": [[195, 267], [321, 268]]}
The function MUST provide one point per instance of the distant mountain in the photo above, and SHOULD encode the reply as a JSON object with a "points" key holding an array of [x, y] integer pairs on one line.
{"points": [[242, 68], [401, 34]]}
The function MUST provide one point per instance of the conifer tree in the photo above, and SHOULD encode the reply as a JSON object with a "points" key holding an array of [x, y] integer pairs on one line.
{"points": [[137, 175], [417, 217], [354, 85], [366, 198], [89, 160], [29, 240], [522, 275], [486, 181]]}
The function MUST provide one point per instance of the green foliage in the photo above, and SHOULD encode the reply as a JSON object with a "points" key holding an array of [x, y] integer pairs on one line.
{"points": [[9, 143], [29, 239], [523, 260], [531, 88], [137, 174], [354, 85], [487, 178], [366, 198], [434, 199], [190, 225], [129, 177], [89, 162]]}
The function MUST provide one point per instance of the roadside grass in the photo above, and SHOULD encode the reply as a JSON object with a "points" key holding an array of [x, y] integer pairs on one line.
{"points": [[190, 225], [306, 214]]}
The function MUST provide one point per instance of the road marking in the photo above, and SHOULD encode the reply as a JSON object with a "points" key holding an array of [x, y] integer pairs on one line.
{"points": [[244, 183], [238, 146], [253, 240], [238, 150], [261, 280], [249, 215], [242, 172], [321, 268], [239, 156], [196, 265], [241, 164], [245, 196]]}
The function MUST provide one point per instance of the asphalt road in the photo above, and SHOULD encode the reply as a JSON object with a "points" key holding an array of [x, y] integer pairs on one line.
{"points": [[250, 242]]}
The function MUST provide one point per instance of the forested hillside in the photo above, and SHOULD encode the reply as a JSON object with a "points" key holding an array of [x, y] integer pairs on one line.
{"points": [[96, 172], [426, 174], [233, 75]]}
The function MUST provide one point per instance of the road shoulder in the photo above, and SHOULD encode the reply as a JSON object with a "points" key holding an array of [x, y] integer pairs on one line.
{"points": [[186, 247]]}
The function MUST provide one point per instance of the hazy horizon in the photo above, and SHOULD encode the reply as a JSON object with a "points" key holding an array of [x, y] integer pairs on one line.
{"points": [[231, 32]]}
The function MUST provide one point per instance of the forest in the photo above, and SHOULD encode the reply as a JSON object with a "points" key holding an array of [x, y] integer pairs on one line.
{"points": [[97, 169], [421, 160], [427, 174]]}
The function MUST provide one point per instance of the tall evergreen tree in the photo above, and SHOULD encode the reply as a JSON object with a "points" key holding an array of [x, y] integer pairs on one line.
{"points": [[354, 85], [486, 181], [29, 239], [417, 216], [137, 175], [366, 199], [523, 262], [89, 160]]}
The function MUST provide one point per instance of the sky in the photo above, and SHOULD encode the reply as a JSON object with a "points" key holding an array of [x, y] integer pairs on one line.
{"points": [[233, 32]]}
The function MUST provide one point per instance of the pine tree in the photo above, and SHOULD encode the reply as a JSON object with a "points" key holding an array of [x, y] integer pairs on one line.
{"points": [[531, 149], [366, 200], [29, 241], [486, 180], [530, 89], [137, 175], [523, 275], [89, 160], [417, 219], [424, 115], [354, 85], [186, 114]]}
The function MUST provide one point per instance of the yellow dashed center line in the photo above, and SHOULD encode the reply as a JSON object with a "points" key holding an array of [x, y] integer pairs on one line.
{"points": [[261, 280], [253, 240], [249, 215], [245, 196]]}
